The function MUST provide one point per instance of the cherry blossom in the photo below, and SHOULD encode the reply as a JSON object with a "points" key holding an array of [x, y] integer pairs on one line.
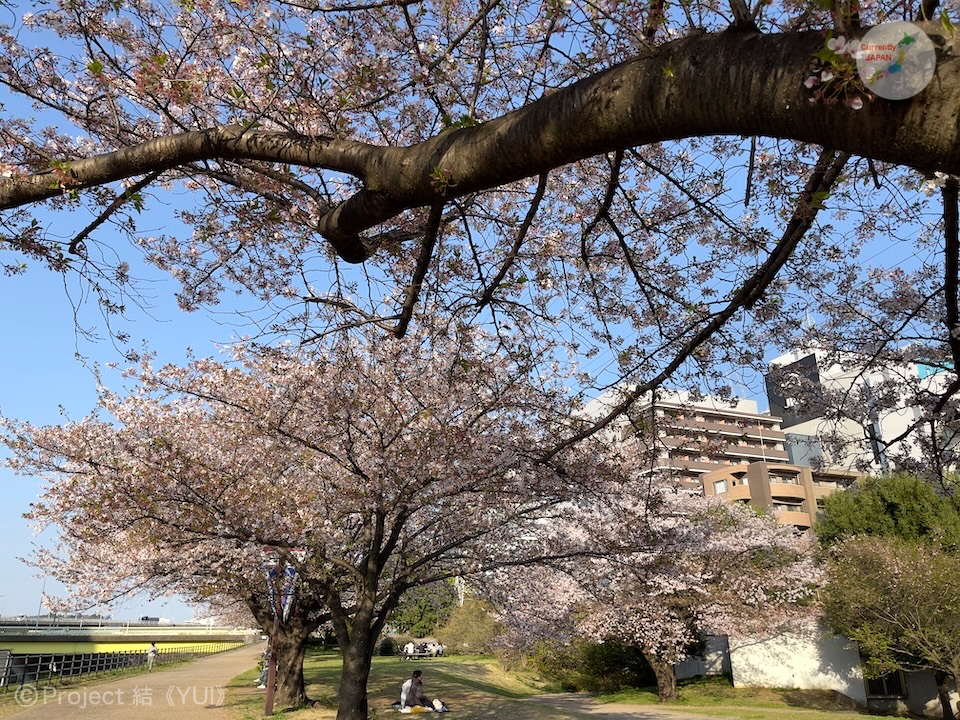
{"points": [[666, 567], [343, 164], [368, 466]]}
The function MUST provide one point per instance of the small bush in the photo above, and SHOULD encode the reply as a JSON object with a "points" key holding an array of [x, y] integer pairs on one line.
{"points": [[387, 647], [557, 664], [611, 666], [470, 630], [593, 667]]}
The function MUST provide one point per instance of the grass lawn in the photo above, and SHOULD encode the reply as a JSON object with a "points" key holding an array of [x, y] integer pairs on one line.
{"points": [[476, 688]]}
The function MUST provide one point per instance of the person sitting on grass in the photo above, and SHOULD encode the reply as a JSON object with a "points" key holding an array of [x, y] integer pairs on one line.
{"points": [[411, 694]]}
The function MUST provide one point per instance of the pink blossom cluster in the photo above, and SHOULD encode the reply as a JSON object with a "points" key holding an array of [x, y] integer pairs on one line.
{"points": [[660, 566]]}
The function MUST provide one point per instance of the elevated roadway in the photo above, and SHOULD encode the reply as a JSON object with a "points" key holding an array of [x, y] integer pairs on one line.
{"points": [[22, 638]]}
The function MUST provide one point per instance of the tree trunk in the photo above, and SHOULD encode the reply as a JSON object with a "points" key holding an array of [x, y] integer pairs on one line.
{"points": [[943, 692], [357, 659], [666, 677], [291, 690]]}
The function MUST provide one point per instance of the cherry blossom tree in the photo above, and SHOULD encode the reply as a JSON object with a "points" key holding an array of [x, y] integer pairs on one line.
{"points": [[669, 188], [368, 467], [666, 567]]}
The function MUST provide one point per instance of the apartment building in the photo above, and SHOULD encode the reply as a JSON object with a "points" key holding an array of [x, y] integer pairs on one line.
{"points": [[686, 437], [726, 448], [793, 492], [835, 411]]}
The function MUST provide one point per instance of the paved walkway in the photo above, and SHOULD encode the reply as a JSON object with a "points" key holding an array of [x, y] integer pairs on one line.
{"points": [[578, 704], [193, 691]]}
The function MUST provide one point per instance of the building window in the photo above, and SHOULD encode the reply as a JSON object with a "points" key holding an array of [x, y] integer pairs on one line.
{"points": [[720, 486], [785, 479], [889, 685], [787, 507]]}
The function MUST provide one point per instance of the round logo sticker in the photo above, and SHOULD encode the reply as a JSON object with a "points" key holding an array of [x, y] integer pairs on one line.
{"points": [[896, 60]]}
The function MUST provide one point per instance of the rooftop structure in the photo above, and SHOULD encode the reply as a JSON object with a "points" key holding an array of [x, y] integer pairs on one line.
{"points": [[836, 412]]}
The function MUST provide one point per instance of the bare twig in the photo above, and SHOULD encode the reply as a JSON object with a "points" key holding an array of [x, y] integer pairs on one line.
{"points": [[117, 203], [492, 286], [423, 264], [827, 171]]}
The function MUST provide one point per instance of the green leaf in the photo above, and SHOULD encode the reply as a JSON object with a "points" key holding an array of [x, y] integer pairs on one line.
{"points": [[827, 55], [945, 22], [95, 66]]}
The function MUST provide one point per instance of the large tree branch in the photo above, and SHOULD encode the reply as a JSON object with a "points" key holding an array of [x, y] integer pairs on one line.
{"points": [[754, 83], [951, 269], [756, 87]]}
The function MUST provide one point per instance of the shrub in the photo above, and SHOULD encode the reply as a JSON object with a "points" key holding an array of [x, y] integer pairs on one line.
{"points": [[557, 664], [387, 646], [611, 666], [593, 667], [470, 630]]}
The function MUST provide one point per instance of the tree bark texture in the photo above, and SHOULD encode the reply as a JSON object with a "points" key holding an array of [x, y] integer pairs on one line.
{"points": [[943, 693], [357, 659], [291, 689], [666, 677]]}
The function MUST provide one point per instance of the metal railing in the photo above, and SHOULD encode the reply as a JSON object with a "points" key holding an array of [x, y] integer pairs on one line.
{"points": [[42, 669]]}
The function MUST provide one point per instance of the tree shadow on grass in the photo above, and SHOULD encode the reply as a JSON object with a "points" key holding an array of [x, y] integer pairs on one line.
{"points": [[818, 700], [467, 704], [476, 684]]}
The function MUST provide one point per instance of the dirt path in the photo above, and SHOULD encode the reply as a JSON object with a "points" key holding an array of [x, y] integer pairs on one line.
{"points": [[584, 705], [189, 691]]}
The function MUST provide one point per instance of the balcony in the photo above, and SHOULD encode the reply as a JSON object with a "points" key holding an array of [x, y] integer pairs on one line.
{"points": [[735, 428], [792, 517], [738, 492], [754, 452], [787, 490]]}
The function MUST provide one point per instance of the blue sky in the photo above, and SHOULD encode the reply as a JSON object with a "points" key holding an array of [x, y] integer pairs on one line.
{"points": [[39, 373]]}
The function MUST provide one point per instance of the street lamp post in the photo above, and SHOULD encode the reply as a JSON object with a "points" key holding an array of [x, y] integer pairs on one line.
{"points": [[43, 589]]}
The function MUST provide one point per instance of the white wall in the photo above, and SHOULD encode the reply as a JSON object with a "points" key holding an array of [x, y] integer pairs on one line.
{"points": [[806, 659]]}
